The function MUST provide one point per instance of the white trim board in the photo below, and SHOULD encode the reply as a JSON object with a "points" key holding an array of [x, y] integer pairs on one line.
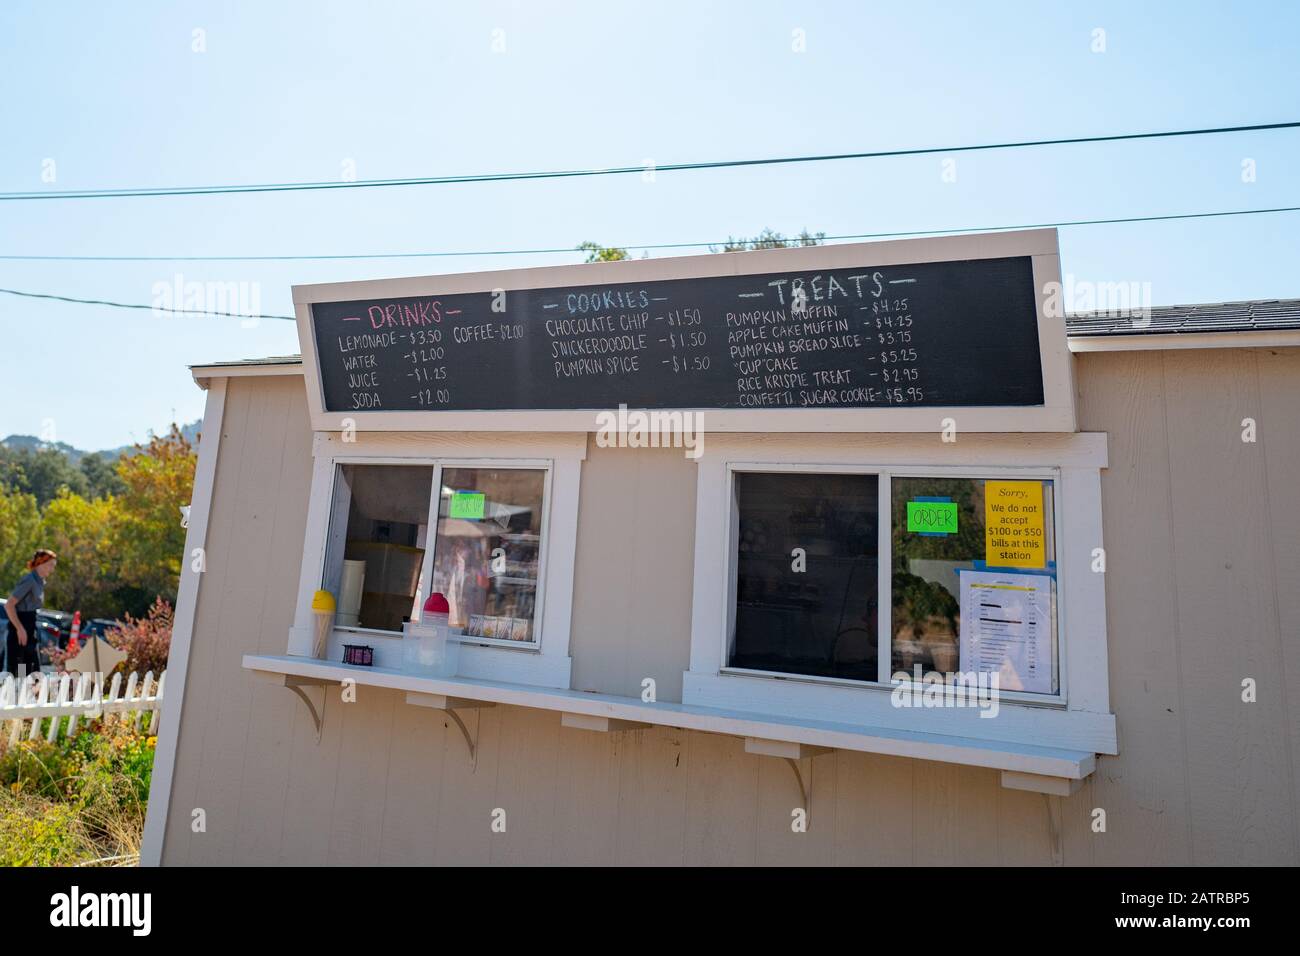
{"points": [[1056, 414], [1052, 762], [1160, 341], [187, 605], [203, 374], [970, 449]]}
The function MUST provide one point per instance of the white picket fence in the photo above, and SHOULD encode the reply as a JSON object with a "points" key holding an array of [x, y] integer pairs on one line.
{"points": [[77, 697]]}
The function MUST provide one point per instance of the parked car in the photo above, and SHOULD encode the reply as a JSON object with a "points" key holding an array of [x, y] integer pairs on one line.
{"points": [[54, 629], [98, 627]]}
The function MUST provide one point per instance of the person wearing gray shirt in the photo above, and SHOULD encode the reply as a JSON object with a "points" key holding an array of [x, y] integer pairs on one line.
{"points": [[22, 653]]}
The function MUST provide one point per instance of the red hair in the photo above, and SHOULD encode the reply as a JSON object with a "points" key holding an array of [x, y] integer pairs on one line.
{"points": [[40, 557]]}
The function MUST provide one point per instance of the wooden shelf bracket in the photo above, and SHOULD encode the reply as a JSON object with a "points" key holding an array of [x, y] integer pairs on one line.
{"points": [[296, 684], [450, 705], [603, 725], [793, 754]]}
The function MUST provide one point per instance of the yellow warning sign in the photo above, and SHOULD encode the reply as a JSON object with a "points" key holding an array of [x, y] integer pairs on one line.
{"points": [[1013, 524]]}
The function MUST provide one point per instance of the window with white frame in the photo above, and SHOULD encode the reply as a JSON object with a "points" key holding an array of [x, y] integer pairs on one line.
{"points": [[489, 521], [1009, 525], [963, 564], [484, 553]]}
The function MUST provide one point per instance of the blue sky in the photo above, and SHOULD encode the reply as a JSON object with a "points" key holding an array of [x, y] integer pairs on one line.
{"points": [[116, 96]]}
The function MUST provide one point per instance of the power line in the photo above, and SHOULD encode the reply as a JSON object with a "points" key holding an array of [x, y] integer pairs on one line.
{"points": [[649, 246], [133, 305], [505, 252], [143, 191]]}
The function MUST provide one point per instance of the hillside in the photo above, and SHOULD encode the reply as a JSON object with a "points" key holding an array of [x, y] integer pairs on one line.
{"points": [[32, 443]]}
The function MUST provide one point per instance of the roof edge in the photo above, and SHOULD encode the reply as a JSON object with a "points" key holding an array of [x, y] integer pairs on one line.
{"points": [[1166, 341]]}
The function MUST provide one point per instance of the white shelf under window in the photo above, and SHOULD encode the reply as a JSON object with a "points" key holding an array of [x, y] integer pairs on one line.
{"points": [[1027, 767]]}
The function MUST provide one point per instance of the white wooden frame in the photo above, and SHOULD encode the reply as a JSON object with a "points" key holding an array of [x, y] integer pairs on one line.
{"points": [[1055, 415], [187, 606], [1079, 716], [426, 564], [543, 662], [884, 576]]}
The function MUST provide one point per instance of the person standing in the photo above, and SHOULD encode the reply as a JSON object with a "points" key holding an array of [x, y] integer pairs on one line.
{"points": [[22, 655]]}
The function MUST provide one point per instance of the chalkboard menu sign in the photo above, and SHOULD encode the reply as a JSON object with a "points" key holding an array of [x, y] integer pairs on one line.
{"points": [[956, 333]]}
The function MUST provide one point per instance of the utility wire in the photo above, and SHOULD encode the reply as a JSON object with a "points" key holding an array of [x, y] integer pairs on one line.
{"points": [[649, 246], [501, 252], [613, 170], [132, 305]]}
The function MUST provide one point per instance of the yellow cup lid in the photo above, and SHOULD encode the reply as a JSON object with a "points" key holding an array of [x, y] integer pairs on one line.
{"points": [[322, 601]]}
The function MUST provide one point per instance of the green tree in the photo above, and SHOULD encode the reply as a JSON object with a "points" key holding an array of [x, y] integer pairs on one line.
{"points": [[598, 253], [42, 472], [81, 532], [116, 526], [158, 480], [20, 523], [767, 239], [101, 476]]}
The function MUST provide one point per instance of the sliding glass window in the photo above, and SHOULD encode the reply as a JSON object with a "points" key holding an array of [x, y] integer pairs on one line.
{"points": [[971, 588], [806, 569], [484, 556]]}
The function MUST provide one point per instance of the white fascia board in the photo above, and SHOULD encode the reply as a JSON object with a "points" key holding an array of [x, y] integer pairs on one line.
{"points": [[1152, 342]]}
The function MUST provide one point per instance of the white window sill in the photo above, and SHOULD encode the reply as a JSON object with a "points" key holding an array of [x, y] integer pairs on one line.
{"points": [[1015, 722], [1019, 697], [480, 658], [1023, 766]]}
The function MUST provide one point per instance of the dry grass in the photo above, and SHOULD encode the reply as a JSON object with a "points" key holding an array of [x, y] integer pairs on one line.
{"points": [[75, 803]]}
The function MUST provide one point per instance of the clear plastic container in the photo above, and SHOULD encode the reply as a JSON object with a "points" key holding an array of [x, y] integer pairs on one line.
{"points": [[430, 647]]}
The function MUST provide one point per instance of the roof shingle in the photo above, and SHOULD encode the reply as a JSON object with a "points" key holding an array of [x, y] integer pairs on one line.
{"points": [[1254, 316]]}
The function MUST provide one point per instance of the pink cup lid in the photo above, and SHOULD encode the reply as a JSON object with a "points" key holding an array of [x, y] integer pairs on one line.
{"points": [[437, 604]]}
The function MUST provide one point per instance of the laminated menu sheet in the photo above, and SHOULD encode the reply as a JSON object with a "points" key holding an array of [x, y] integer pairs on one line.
{"points": [[1006, 628]]}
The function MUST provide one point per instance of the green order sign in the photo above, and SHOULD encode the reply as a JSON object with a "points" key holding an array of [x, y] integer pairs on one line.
{"points": [[467, 504], [932, 517]]}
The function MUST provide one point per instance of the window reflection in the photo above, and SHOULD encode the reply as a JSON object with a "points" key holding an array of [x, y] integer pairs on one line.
{"points": [[927, 566], [806, 574], [486, 551], [375, 552]]}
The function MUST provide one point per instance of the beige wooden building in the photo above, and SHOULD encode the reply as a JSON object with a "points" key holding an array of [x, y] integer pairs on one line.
{"points": [[653, 710]]}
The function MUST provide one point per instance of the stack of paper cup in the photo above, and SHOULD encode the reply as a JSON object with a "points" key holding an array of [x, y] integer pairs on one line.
{"points": [[322, 607], [354, 576]]}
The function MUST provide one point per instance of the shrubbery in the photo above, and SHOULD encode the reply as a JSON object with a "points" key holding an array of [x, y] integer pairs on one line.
{"points": [[146, 640], [77, 800]]}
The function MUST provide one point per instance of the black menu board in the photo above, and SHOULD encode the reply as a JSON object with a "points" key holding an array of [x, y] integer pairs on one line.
{"points": [[958, 333]]}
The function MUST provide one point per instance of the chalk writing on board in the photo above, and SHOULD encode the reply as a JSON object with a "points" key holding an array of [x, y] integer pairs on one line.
{"points": [[929, 334]]}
